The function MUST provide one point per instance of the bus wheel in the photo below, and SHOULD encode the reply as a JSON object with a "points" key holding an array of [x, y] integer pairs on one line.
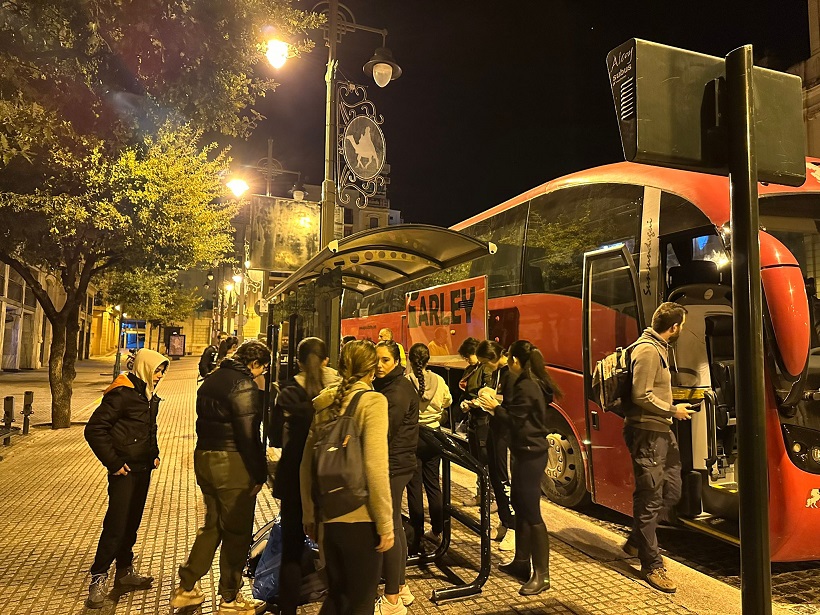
{"points": [[564, 480]]}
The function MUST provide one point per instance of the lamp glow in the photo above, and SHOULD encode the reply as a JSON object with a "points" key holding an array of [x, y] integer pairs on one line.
{"points": [[237, 278], [229, 287], [277, 53], [238, 187]]}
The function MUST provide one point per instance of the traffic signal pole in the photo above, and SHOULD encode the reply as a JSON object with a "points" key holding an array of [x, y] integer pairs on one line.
{"points": [[750, 394]]}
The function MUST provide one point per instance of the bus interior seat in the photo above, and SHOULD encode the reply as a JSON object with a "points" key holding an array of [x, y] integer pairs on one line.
{"points": [[533, 279], [694, 272]]}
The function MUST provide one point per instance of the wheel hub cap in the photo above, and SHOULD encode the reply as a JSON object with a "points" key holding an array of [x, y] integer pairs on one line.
{"points": [[560, 459]]}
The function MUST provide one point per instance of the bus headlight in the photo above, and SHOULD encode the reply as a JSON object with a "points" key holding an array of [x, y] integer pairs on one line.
{"points": [[815, 454]]}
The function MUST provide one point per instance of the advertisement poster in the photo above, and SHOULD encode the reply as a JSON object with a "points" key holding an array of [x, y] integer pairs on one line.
{"points": [[443, 316]]}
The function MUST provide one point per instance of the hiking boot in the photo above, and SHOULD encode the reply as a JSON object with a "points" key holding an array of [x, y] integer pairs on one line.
{"points": [[432, 537], [659, 579], [508, 543], [500, 532], [97, 591], [130, 578], [241, 605], [183, 597], [385, 607], [630, 549], [405, 595]]}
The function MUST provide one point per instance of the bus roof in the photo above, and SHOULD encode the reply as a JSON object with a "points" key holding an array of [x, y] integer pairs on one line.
{"points": [[710, 193]]}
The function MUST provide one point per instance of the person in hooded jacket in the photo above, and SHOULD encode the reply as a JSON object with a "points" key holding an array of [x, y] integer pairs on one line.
{"points": [[122, 433], [402, 439], [435, 397], [295, 404], [525, 413], [230, 468]]}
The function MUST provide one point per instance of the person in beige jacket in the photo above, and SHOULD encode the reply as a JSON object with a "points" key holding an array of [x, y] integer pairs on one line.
{"points": [[353, 544]]}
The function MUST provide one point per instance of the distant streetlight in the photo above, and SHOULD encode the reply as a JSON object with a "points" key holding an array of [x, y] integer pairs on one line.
{"points": [[277, 53], [381, 67]]}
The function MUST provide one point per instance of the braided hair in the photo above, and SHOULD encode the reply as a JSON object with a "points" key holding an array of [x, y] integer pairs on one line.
{"points": [[418, 357], [357, 360]]}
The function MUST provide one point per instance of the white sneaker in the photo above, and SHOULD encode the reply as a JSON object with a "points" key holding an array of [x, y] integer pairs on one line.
{"points": [[183, 597], [433, 537], [405, 595], [385, 607], [500, 532], [241, 605], [508, 543]]}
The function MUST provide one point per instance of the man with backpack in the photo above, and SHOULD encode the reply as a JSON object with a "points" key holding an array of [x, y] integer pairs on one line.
{"points": [[656, 463], [207, 362]]}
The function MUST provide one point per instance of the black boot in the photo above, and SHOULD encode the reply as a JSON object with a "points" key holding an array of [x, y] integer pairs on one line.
{"points": [[519, 566], [540, 579]]}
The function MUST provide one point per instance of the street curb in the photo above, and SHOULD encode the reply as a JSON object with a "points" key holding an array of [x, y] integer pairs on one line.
{"points": [[697, 592]]}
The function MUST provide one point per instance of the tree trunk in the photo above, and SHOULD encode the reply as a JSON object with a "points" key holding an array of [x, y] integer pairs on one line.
{"points": [[62, 358], [61, 388]]}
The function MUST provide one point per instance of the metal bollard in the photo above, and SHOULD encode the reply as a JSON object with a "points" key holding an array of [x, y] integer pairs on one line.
{"points": [[28, 400], [8, 416]]}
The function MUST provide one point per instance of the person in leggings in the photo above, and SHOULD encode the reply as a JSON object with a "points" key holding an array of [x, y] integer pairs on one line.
{"points": [[526, 415], [296, 407], [402, 439], [493, 357], [353, 544], [435, 397]]}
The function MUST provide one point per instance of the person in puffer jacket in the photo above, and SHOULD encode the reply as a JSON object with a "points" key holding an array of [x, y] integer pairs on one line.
{"points": [[230, 468], [122, 432], [435, 397], [402, 439], [295, 404]]}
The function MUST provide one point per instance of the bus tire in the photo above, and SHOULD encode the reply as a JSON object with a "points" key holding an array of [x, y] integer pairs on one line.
{"points": [[564, 480]]}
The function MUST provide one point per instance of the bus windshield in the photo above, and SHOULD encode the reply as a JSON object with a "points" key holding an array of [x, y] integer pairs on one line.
{"points": [[794, 219]]}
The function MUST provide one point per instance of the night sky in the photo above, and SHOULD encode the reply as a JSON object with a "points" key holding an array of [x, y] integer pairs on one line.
{"points": [[496, 98]]}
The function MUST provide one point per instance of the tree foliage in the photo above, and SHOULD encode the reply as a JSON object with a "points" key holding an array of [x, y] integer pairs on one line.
{"points": [[157, 298], [103, 108]]}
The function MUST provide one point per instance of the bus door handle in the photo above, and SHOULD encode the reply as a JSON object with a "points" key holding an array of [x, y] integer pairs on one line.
{"points": [[594, 419], [710, 406]]}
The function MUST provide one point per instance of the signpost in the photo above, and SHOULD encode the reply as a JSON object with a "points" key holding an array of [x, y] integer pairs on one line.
{"points": [[681, 109]]}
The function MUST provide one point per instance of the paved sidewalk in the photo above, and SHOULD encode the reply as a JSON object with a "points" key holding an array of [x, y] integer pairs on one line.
{"points": [[53, 498]]}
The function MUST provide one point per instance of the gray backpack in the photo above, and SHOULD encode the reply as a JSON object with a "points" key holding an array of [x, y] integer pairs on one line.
{"points": [[339, 484]]}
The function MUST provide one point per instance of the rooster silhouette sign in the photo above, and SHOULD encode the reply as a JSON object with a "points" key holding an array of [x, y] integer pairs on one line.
{"points": [[363, 147]]}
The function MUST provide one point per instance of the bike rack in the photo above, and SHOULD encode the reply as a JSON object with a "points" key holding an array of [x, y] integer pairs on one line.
{"points": [[453, 451]]}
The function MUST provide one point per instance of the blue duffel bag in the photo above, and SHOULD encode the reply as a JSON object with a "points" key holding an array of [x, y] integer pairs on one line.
{"points": [[266, 575]]}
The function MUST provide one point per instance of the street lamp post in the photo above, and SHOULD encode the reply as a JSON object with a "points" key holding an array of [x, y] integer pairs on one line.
{"points": [[381, 67], [119, 343]]}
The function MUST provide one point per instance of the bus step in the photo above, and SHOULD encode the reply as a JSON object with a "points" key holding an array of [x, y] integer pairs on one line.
{"points": [[722, 529], [730, 487]]}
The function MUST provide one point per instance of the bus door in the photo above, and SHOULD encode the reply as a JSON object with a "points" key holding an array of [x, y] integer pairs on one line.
{"points": [[613, 317]]}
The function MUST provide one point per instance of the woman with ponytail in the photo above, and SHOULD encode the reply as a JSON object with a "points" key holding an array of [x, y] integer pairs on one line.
{"points": [[435, 397], [402, 439], [295, 406], [525, 412], [353, 544]]}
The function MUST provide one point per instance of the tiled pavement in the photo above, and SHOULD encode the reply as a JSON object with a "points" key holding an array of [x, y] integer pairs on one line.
{"points": [[52, 500]]}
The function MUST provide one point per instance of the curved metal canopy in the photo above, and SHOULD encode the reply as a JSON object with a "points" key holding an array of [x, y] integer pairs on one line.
{"points": [[376, 259]]}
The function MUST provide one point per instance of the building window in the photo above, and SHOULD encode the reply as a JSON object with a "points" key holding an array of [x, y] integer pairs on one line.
{"points": [[348, 216], [374, 222]]}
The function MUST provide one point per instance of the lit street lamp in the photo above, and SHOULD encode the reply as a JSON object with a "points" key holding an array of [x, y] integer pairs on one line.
{"points": [[381, 67]]}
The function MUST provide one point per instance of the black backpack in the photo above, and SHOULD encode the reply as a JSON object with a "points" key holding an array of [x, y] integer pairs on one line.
{"points": [[339, 484]]}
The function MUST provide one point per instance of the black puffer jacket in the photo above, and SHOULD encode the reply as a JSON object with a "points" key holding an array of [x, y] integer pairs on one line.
{"points": [[229, 414], [403, 420], [123, 430]]}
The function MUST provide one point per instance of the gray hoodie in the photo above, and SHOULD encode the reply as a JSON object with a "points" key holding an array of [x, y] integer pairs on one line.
{"points": [[652, 406]]}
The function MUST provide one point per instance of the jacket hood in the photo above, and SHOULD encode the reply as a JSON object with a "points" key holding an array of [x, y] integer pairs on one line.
{"points": [[146, 362], [330, 378], [430, 384], [649, 335]]}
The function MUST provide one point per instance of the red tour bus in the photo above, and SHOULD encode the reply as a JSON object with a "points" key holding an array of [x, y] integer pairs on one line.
{"points": [[582, 263]]}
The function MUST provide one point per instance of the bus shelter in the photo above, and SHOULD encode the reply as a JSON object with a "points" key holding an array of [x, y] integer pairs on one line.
{"points": [[370, 261]]}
